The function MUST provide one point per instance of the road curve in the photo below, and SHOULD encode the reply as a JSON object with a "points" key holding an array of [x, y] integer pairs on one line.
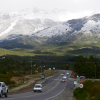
{"points": [[53, 88]]}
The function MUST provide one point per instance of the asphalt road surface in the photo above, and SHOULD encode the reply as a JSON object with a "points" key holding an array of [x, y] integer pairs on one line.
{"points": [[54, 86]]}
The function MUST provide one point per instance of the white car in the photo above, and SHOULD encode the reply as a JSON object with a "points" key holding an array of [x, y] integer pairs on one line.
{"points": [[62, 74], [67, 73], [37, 87], [64, 77]]}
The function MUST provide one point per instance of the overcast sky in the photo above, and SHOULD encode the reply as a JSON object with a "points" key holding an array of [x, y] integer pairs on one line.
{"points": [[69, 5]]}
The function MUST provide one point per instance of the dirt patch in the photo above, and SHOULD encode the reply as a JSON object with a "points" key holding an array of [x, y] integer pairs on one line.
{"points": [[28, 88]]}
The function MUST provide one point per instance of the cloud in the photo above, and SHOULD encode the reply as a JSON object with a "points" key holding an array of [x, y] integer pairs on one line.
{"points": [[69, 5]]}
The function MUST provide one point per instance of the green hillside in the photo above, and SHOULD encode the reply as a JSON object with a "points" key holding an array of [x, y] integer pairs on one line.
{"points": [[58, 49]]}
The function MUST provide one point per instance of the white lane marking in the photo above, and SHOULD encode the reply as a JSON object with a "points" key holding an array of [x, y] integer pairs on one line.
{"points": [[33, 95], [57, 94]]}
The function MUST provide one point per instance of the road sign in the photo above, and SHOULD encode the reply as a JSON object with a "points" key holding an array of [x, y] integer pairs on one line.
{"points": [[75, 82], [78, 78], [81, 85]]}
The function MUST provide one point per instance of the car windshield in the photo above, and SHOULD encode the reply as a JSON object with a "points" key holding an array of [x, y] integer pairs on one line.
{"points": [[37, 86], [0, 84]]}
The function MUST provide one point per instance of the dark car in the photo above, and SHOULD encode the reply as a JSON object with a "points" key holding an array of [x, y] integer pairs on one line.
{"points": [[62, 80]]}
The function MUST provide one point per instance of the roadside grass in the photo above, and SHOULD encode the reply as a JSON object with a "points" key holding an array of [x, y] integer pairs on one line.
{"points": [[17, 85], [74, 98]]}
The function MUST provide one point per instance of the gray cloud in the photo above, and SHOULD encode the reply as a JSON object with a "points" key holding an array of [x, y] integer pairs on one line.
{"points": [[69, 5]]}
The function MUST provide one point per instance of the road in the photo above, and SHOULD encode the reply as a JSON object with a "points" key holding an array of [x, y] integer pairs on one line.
{"points": [[54, 86]]}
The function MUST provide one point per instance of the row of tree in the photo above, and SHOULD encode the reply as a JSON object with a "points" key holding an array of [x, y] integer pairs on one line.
{"points": [[10, 67], [87, 66]]}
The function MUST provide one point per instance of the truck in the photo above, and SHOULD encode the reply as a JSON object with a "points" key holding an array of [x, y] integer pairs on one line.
{"points": [[3, 89]]}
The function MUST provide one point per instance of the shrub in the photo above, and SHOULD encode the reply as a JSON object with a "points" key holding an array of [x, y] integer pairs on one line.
{"points": [[80, 94]]}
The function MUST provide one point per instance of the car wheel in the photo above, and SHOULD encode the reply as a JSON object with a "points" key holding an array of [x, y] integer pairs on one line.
{"points": [[1, 94], [6, 95], [34, 91]]}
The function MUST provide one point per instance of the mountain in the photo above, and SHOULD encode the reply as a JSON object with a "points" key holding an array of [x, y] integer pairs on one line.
{"points": [[85, 29], [29, 21], [33, 27]]}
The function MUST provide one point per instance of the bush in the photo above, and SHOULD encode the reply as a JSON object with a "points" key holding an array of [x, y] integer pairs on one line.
{"points": [[94, 91], [80, 94]]}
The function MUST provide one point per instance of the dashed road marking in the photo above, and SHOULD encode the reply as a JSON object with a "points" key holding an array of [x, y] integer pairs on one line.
{"points": [[32, 95]]}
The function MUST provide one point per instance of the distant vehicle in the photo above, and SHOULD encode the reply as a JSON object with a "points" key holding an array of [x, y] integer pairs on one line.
{"points": [[43, 76], [82, 77], [62, 80], [37, 87], [62, 74], [67, 73], [64, 77], [49, 69], [3, 89]]}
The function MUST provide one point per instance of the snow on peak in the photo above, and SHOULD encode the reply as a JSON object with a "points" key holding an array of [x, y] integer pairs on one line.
{"points": [[55, 30], [9, 28], [91, 25]]}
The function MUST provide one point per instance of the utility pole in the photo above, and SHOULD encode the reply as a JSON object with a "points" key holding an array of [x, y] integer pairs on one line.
{"points": [[31, 66], [41, 68], [95, 71]]}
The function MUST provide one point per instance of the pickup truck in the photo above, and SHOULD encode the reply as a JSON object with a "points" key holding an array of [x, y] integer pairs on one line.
{"points": [[3, 89]]}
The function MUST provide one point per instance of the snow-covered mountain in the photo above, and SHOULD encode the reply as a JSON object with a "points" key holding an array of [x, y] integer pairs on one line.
{"points": [[31, 20], [86, 28], [23, 23], [47, 26]]}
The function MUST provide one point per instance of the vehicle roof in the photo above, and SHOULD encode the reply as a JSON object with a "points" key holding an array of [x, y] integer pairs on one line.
{"points": [[1, 82], [38, 84]]}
